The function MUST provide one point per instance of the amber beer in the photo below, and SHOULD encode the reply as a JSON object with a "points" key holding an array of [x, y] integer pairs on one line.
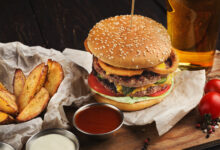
{"points": [[193, 28]]}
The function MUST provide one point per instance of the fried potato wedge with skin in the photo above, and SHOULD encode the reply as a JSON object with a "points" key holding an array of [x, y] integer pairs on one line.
{"points": [[2, 86], [42, 78], [7, 93], [35, 107], [5, 118], [8, 102], [31, 86], [18, 82], [54, 77]]}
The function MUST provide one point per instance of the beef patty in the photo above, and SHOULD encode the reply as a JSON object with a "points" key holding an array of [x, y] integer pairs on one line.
{"points": [[147, 77], [148, 91]]}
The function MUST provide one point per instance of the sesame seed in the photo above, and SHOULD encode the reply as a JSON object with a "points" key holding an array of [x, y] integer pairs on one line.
{"points": [[116, 35]]}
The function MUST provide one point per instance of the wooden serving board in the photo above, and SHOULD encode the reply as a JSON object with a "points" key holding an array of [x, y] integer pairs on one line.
{"points": [[183, 135]]}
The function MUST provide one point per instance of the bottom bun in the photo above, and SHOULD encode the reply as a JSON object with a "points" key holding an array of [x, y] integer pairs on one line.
{"points": [[127, 106]]}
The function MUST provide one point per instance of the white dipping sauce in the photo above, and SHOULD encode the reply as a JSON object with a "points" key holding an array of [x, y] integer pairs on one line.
{"points": [[5, 148], [52, 142]]}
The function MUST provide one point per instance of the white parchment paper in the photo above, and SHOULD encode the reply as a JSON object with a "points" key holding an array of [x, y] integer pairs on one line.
{"points": [[72, 89], [185, 96], [76, 65]]}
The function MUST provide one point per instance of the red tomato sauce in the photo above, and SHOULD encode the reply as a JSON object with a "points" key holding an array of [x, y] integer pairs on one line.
{"points": [[98, 119]]}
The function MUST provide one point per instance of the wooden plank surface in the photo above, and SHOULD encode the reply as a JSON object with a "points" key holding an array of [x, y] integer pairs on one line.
{"points": [[183, 135], [60, 24], [18, 23], [67, 23]]}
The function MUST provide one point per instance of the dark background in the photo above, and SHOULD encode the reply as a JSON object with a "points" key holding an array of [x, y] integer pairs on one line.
{"points": [[60, 24]]}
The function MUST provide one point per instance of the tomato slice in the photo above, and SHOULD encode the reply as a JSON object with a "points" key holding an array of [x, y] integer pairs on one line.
{"points": [[160, 92], [97, 86]]}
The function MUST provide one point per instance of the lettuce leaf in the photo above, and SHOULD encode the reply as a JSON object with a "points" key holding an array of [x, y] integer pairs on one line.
{"points": [[131, 100]]}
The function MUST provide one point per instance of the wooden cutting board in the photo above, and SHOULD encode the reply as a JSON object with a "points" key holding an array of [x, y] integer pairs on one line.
{"points": [[182, 135]]}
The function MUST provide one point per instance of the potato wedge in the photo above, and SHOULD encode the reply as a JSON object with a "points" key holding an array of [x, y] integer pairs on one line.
{"points": [[42, 78], [35, 107], [8, 102], [5, 118], [2, 86], [31, 85], [54, 77], [7, 93], [18, 82]]}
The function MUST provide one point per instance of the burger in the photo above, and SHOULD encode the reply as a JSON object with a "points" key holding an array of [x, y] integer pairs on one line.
{"points": [[133, 64]]}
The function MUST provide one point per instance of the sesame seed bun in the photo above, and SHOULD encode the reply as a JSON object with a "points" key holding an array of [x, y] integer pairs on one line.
{"points": [[145, 45], [127, 106]]}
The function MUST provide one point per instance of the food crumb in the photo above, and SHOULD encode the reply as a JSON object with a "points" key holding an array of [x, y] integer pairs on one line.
{"points": [[208, 125], [146, 143]]}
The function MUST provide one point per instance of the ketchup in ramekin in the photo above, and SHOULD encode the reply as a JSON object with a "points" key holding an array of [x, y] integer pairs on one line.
{"points": [[98, 119]]}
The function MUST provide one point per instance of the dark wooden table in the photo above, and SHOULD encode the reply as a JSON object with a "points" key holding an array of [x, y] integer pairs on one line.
{"points": [[65, 23]]}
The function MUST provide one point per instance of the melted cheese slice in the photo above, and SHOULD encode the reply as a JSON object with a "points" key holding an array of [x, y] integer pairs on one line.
{"points": [[119, 71], [163, 69], [161, 66], [143, 88], [132, 100]]}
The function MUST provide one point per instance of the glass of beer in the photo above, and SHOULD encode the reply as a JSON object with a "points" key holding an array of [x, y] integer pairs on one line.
{"points": [[193, 27]]}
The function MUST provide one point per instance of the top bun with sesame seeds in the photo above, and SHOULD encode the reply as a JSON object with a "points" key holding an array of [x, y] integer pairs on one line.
{"points": [[143, 45]]}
